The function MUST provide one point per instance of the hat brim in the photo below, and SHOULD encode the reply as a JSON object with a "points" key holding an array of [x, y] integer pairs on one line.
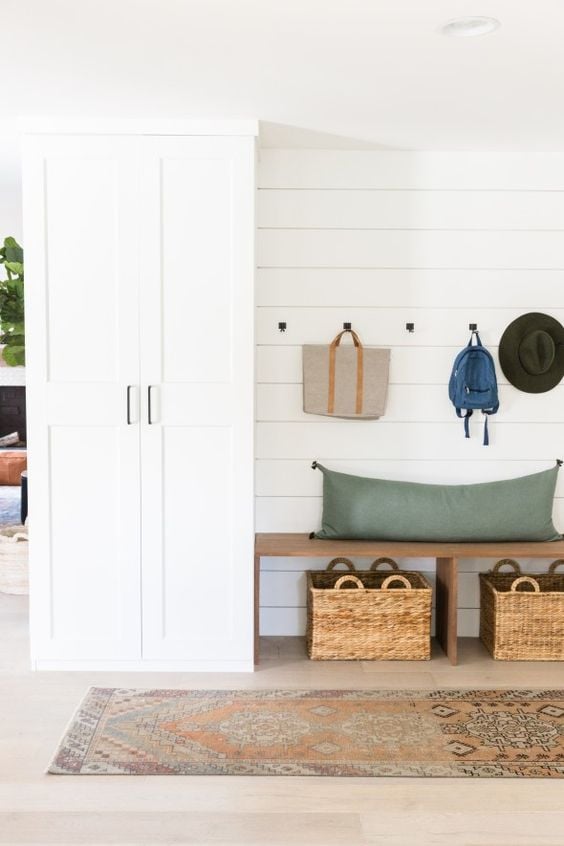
{"points": [[509, 353]]}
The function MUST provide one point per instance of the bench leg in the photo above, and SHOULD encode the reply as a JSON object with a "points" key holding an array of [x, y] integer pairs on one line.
{"points": [[257, 607], [447, 606]]}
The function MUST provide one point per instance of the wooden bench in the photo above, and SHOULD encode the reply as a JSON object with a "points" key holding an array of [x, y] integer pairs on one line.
{"points": [[289, 545]]}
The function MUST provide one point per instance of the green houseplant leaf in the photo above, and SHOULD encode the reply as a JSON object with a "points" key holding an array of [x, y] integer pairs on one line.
{"points": [[12, 250], [14, 356], [12, 326]]}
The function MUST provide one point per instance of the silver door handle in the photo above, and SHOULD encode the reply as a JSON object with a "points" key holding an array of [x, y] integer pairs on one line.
{"points": [[132, 405], [152, 416]]}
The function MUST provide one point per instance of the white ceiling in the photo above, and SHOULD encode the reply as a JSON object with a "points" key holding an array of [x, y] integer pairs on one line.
{"points": [[370, 72]]}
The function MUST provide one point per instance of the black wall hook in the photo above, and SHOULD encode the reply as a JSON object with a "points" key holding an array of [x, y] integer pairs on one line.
{"points": [[347, 327], [282, 326], [473, 327], [410, 327]]}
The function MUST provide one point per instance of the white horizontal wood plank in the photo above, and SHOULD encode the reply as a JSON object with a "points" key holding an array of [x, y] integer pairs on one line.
{"points": [[303, 514], [468, 590], [468, 622], [282, 622], [529, 289], [283, 564], [278, 364], [296, 478], [291, 622], [410, 209], [409, 248], [289, 589], [446, 327], [469, 566], [344, 439], [408, 365], [288, 514], [367, 169], [300, 565], [283, 589], [412, 403]]}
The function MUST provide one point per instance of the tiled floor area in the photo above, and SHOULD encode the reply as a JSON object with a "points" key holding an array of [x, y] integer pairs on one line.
{"points": [[39, 809]]}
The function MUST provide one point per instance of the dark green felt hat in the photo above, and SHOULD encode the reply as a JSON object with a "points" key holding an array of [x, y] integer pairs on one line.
{"points": [[531, 352]]}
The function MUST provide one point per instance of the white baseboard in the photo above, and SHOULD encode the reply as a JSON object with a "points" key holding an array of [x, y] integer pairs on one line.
{"points": [[108, 666]]}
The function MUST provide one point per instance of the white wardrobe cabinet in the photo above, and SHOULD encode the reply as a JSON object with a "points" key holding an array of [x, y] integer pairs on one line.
{"points": [[139, 300]]}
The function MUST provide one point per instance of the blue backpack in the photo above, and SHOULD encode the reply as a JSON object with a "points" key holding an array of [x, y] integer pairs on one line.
{"points": [[473, 384]]}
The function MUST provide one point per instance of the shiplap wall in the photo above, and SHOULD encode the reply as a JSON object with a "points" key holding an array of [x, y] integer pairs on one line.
{"points": [[380, 239]]}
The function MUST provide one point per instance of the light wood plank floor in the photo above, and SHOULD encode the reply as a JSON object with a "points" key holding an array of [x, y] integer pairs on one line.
{"points": [[39, 809]]}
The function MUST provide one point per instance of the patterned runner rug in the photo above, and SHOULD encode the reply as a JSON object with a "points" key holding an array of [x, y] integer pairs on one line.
{"points": [[488, 733]]}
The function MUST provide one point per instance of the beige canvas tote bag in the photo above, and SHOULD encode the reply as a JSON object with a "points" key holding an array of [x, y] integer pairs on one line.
{"points": [[345, 380]]}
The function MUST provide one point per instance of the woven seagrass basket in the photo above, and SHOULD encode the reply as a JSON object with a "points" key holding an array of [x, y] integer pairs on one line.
{"points": [[518, 624], [368, 614]]}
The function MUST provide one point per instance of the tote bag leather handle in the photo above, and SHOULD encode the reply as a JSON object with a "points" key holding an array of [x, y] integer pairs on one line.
{"points": [[359, 371]]}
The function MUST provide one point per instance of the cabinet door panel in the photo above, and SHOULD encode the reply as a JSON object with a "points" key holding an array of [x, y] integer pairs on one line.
{"points": [[197, 268], [80, 212], [198, 566], [83, 267], [91, 603], [197, 471]]}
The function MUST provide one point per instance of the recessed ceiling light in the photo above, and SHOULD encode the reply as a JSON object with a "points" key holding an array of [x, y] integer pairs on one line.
{"points": [[469, 27]]}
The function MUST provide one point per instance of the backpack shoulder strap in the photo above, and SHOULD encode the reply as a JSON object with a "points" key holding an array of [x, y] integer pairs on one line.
{"points": [[466, 417]]}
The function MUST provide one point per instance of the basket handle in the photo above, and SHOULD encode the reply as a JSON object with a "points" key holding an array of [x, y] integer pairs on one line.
{"points": [[396, 578], [346, 578], [509, 561], [521, 580], [554, 565], [332, 564], [390, 561]]}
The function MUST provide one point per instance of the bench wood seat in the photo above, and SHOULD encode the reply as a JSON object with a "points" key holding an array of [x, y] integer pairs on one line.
{"points": [[298, 545]]}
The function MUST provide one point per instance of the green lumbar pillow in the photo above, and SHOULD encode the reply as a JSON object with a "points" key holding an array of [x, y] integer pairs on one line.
{"points": [[378, 509]]}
